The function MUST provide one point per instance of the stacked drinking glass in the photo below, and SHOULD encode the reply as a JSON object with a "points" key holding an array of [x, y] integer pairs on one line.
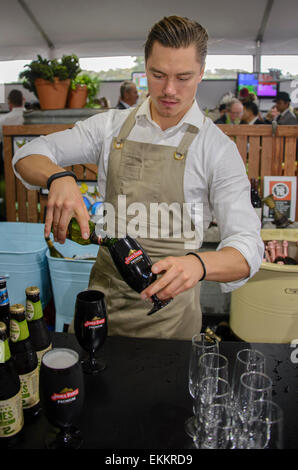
{"points": [[231, 414]]}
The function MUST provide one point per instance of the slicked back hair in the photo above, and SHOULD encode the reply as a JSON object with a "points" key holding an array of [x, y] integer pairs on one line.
{"points": [[177, 32]]}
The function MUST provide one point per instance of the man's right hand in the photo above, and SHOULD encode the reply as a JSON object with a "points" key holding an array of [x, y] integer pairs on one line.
{"points": [[64, 202]]}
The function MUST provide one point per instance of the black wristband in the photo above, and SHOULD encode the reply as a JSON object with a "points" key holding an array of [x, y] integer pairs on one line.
{"points": [[61, 174], [202, 263]]}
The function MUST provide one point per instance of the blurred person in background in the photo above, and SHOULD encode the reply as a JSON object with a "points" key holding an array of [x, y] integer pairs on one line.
{"points": [[128, 95], [251, 114], [272, 115], [233, 114], [286, 117], [16, 103]]}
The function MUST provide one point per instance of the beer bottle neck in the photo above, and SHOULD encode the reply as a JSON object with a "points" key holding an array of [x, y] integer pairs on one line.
{"points": [[94, 239], [33, 309], [106, 241]]}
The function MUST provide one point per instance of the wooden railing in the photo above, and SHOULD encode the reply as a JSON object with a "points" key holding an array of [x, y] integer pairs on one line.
{"points": [[265, 151], [25, 205]]}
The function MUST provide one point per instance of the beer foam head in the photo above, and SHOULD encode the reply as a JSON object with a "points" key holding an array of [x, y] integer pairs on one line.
{"points": [[60, 358]]}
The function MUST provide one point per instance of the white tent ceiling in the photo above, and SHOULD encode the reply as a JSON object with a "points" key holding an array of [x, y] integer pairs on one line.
{"points": [[91, 28]]}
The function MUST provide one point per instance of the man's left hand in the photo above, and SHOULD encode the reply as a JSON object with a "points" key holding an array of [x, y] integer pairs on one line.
{"points": [[178, 274]]}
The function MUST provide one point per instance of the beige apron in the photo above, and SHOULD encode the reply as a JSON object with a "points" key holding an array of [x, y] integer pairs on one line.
{"points": [[146, 173]]}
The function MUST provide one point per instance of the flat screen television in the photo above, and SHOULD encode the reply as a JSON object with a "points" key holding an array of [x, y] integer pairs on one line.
{"points": [[140, 79], [261, 84]]}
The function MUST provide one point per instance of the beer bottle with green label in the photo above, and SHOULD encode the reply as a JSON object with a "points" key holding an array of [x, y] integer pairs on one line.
{"points": [[39, 333], [25, 361], [11, 410]]}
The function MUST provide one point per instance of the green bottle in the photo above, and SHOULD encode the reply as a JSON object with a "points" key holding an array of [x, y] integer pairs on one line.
{"points": [[53, 251], [74, 234], [11, 410]]}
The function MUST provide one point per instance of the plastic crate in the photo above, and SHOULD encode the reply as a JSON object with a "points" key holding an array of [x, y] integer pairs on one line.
{"points": [[68, 278], [23, 260]]}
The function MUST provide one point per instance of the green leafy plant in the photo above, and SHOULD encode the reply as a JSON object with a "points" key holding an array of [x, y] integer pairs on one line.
{"points": [[71, 62], [92, 81], [67, 67]]}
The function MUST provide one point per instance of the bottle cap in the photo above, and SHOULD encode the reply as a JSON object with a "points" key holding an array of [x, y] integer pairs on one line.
{"points": [[32, 290], [2, 281], [17, 309]]}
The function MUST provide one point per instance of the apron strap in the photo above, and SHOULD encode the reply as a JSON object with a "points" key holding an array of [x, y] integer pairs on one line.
{"points": [[190, 134], [125, 129]]}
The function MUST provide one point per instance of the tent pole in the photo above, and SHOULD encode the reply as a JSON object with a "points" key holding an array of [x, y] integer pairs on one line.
{"points": [[260, 36], [257, 57], [36, 24]]}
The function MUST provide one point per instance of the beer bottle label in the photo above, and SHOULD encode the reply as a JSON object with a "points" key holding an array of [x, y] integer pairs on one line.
{"points": [[4, 351], [18, 330], [134, 256], [30, 388], [4, 300], [11, 415], [33, 310]]}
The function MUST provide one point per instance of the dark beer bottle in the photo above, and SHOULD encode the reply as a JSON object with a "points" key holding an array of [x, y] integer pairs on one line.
{"points": [[130, 259], [255, 197], [25, 361], [39, 333], [4, 304], [11, 410]]}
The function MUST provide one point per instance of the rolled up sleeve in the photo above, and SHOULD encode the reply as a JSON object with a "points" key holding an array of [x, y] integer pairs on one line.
{"points": [[238, 223]]}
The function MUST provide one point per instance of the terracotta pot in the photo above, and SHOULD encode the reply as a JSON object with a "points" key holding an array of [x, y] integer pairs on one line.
{"points": [[77, 98], [52, 95]]}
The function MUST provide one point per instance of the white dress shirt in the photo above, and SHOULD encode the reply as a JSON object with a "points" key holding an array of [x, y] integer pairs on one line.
{"points": [[214, 175], [14, 117]]}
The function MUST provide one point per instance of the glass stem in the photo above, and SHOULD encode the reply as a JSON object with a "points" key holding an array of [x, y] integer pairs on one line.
{"points": [[66, 434], [92, 359]]}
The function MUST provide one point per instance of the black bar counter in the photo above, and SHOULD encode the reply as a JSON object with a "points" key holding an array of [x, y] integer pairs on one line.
{"points": [[141, 399]]}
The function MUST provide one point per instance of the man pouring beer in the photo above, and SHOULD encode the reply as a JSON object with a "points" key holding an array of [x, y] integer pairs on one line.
{"points": [[164, 151]]}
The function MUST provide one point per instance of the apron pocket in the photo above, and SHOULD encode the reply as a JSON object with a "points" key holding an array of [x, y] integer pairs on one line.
{"points": [[130, 172]]}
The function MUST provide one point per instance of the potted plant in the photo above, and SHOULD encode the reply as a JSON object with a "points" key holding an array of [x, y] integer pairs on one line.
{"points": [[83, 90], [49, 80], [78, 92]]}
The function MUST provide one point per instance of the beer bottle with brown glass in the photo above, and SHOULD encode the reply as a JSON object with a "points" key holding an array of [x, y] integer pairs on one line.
{"points": [[25, 361], [11, 410], [255, 197], [39, 333]]}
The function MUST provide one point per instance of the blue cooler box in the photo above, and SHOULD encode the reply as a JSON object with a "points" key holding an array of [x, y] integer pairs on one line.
{"points": [[23, 260], [68, 278]]}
